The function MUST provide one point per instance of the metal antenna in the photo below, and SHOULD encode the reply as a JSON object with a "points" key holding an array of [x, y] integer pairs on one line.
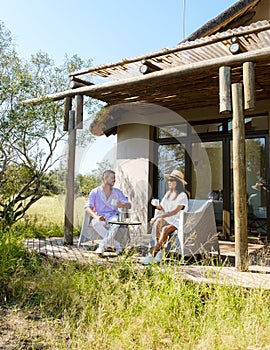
{"points": [[184, 20]]}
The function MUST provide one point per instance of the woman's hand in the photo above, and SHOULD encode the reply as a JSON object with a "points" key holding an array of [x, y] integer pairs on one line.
{"points": [[154, 219]]}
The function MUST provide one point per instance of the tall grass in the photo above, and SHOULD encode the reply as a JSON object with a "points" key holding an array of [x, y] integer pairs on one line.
{"points": [[124, 306], [50, 210]]}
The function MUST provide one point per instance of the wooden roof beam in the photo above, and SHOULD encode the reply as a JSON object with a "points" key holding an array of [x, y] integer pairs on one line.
{"points": [[96, 90]]}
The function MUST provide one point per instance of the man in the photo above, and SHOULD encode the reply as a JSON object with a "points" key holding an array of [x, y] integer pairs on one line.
{"points": [[103, 206]]}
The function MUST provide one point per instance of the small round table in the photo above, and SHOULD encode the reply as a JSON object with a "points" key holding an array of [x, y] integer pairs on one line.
{"points": [[127, 224]]}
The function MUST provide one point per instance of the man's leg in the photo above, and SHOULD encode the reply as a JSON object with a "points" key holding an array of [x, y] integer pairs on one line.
{"points": [[110, 239], [99, 226], [107, 232]]}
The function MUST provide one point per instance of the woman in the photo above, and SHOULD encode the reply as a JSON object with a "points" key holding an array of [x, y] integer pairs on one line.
{"points": [[166, 222]]}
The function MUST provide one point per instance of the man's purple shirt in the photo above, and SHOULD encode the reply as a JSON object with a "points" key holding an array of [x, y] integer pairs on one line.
{"points": [[102, 205]]}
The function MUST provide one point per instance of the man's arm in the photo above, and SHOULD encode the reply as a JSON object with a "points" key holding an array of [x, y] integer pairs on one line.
{"points": [[90, 205], [94, 215], [126, 205], [122, 200]]}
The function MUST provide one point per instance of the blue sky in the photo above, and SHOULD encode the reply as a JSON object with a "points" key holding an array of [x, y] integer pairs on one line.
{"points": [[103, 30]]}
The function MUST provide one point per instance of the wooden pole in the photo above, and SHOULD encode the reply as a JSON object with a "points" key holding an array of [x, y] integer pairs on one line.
{"points": [[249, 85], [239, 179], [225, 105], [79, 111], [67, 108], [70, 172]]}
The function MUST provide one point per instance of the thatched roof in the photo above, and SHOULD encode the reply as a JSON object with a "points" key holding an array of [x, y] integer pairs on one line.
{"points": [[237, 15]]}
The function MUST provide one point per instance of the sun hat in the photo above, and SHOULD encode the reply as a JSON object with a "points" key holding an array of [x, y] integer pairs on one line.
{"points": [[177, 174]]}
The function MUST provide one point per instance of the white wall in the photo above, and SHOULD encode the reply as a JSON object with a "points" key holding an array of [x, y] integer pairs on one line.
{"points": [[132, 168]]}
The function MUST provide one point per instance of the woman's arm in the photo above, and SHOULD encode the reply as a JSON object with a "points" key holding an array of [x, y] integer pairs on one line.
{"points": [[172, 212], [167, 214]]}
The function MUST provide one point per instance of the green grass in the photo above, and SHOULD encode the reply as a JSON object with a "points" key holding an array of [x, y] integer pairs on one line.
{"points": [[119, 306], [124, 306], [50, 210]]}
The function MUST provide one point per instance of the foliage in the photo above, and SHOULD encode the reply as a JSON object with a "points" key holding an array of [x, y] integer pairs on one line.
{"points": [[29, 135], [85, 183], [121, 306], [12, 258]]}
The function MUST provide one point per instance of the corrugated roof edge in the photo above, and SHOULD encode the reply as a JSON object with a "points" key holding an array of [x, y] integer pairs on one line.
{"points": [[229, 15]]}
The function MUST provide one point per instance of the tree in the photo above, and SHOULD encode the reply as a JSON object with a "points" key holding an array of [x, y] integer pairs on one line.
{"points": [[85, 183], [29, 135]]}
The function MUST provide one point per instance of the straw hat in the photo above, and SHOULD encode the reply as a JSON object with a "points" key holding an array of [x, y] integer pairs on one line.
{"points": [[177, 174]]}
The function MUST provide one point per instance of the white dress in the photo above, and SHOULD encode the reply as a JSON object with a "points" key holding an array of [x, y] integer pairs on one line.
{"points": [[169, 204]]}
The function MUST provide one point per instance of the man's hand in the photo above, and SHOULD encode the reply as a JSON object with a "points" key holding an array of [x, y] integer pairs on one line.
{"points": [[101, 218], [120, 204], [123, 205]]}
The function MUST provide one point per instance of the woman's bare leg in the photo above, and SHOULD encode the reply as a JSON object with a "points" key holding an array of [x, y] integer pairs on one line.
{"points": [[164, 234]]}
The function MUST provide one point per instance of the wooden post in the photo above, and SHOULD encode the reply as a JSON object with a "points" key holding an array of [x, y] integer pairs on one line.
{"points": [[249, 85], [225, 105], [79, 111], [239, 179], [67, 108], [70, 172]]}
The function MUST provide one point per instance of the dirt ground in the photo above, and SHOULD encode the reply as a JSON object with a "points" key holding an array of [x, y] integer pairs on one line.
{"points": [[22, 330]]}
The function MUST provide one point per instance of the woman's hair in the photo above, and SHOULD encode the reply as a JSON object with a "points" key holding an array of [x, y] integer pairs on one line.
{"points": [[179, 189]]}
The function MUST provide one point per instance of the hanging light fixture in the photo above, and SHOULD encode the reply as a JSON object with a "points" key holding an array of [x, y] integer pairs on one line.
{"points": [[236, 46]]}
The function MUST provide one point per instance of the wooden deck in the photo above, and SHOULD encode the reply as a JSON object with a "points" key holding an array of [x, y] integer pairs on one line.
{"points": [[257, 277]]}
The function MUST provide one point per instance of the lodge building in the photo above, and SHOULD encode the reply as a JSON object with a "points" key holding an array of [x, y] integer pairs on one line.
{"points": [[179, 108]]}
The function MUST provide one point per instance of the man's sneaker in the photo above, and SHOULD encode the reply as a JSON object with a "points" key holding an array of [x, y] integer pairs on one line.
{"points": [[158, 257], [148, 259], [99, 250]]}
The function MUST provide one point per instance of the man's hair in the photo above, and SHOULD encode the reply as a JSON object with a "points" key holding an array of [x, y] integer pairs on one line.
{"points": [[107, 172]]}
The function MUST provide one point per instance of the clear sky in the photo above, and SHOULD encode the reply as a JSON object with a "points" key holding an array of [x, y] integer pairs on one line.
{"points": [[103, 30]]}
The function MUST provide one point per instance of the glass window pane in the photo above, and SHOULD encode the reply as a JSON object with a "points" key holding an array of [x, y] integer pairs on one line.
{"points": [[254, 123], [255, 186], [215, 157], [170, 157], [204, 128], [172, 131]]}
